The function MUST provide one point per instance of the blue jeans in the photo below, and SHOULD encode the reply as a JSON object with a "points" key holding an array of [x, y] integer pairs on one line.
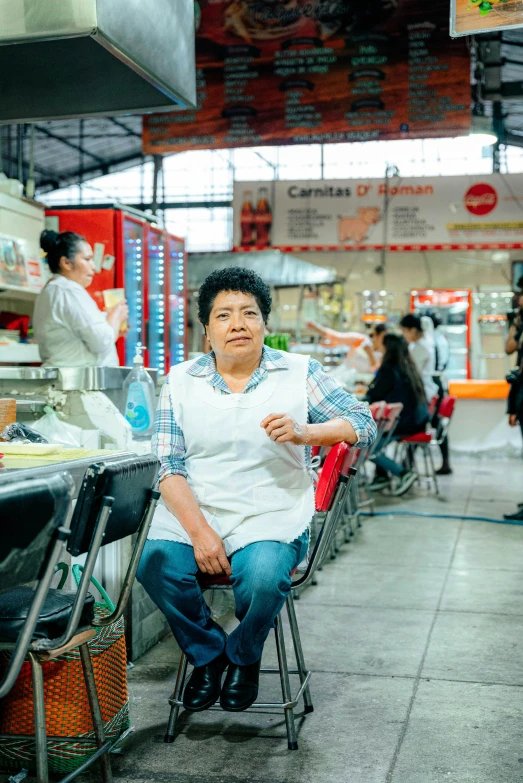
{"points": [[388, 464], [261, 581]]}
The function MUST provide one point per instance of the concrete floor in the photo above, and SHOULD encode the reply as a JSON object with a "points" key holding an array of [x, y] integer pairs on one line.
{"points": [[414, 635]]}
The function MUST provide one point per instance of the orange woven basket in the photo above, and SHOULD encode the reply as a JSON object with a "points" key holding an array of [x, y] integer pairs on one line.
{"points": [[66, 705]]}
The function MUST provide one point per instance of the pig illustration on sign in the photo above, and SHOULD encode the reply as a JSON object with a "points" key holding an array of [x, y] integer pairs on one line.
{"points": [[356, 228]]}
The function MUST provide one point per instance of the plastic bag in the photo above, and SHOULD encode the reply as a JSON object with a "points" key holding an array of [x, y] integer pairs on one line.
{"points": [[58, 431], [21, 433], [106, 417], [220, 602]]}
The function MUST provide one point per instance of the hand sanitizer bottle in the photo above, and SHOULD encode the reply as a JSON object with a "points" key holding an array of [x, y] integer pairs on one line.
{"points": [[140, 398]]}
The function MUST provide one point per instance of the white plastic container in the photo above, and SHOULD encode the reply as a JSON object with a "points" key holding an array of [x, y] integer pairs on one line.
{"points": [[140, 398]]}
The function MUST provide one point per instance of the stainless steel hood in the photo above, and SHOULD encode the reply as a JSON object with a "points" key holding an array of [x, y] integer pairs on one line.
{"points": [[78, 58], [276, 268]]}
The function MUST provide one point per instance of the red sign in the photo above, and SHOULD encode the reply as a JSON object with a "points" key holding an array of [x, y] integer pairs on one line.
{"points": [[481, 199], [319, 71]]}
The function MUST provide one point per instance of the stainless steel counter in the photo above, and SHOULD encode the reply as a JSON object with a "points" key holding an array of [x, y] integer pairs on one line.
{"points": [[72, 378], [145, 624], [12, 469]]}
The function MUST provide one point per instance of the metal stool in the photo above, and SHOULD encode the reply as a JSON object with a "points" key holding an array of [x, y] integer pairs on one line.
{"points": [[333, 488]]}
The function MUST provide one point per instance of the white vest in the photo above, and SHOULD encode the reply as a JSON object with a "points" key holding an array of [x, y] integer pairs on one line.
{"points": [[248, 487]]}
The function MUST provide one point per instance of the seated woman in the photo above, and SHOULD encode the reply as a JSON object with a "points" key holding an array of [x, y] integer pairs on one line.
{"points": [[353, 341], [398, 380], [232, 431]]}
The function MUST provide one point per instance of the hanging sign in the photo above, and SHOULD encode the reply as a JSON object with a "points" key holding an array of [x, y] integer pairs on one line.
{"points": [[415, 214], [314, 71], [468, 17]]}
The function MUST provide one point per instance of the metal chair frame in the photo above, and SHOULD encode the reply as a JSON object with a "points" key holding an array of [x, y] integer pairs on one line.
{"points": [[354, 504], [42, 650], [289, 702], [62, 487], [437, 437]]}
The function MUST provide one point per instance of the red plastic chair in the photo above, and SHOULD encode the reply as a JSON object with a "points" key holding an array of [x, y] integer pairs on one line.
{"points": [[432, 406], [426, 440], [446, 409], [330, 476]]}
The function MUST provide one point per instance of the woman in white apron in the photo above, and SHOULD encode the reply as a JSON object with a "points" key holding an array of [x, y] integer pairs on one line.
{"points": [[232, 431], [70, 329]]}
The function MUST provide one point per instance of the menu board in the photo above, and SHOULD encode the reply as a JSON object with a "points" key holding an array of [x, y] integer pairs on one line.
{"points": [[311, 71], [480, 212], [481, 16]]}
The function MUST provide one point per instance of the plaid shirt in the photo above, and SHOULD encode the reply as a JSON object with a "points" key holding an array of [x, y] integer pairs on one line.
{"points": [[326, 400]]}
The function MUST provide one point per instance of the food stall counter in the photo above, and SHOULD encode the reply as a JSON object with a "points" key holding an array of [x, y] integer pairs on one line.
{"points": [[144, 623], [479, 390], [479, 425], [74, 461]]}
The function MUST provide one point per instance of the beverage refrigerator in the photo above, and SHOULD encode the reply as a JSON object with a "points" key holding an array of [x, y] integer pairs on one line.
{"points": [[134, 254], [454, 306]]}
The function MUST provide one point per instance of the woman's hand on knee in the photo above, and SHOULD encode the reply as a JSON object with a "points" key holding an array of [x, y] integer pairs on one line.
{"points": [[209, 553]]}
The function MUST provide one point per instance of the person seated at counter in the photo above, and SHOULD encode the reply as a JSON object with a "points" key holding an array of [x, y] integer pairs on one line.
{"points": [[232, 433], [68, 326], [398, 380], [353, 340], [422, 350], [377, 337]]}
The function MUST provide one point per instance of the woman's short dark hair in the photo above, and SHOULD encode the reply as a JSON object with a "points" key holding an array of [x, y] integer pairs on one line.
{"points": [[411, 321], [233, 278], [59, 245]]}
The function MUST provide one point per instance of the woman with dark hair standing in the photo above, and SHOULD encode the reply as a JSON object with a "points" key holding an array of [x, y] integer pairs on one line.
{"points": [[69, 328], [398, 380]]}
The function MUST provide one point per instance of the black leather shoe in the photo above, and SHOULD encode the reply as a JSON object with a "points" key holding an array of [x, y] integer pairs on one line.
{"points": [[518, 516], [240, 688], [203, 687]]}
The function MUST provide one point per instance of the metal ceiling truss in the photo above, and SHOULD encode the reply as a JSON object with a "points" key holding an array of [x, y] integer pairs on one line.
{"points": [[497, 85], [68, 152]]}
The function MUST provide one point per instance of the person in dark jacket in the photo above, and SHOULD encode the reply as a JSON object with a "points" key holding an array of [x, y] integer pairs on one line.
{"points": [[398, 380], [515, 417]]}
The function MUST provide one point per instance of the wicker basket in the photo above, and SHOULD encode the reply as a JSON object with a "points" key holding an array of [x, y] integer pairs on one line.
{"points": [[66, 704]]}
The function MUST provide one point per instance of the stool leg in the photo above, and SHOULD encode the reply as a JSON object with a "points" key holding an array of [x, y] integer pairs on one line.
{"points": [[433, 469], [427, 467], [92, 695], [292, 739], [298, 650], [42, 770], [177, 696]]}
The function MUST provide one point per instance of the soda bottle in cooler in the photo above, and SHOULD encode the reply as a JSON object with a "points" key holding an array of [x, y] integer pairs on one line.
{"points": [[263, 218], [247, 220]]}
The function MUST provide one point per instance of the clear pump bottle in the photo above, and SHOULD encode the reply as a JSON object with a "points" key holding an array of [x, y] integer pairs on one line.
{"points": [[140, 398]]}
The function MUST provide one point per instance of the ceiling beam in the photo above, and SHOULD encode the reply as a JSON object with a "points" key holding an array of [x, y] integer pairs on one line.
{"points": [[51, 175], [69, 144], [70, 178], [130, 131], [513, 139]]}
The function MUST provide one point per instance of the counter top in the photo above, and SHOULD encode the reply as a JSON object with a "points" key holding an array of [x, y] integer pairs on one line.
{"points": [[74, 461], [73, 378], [479, 390]]}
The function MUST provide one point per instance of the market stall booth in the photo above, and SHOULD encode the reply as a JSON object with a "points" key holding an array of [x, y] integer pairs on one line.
{"points": [[22, 273], [136, 258], [300, 290]]}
